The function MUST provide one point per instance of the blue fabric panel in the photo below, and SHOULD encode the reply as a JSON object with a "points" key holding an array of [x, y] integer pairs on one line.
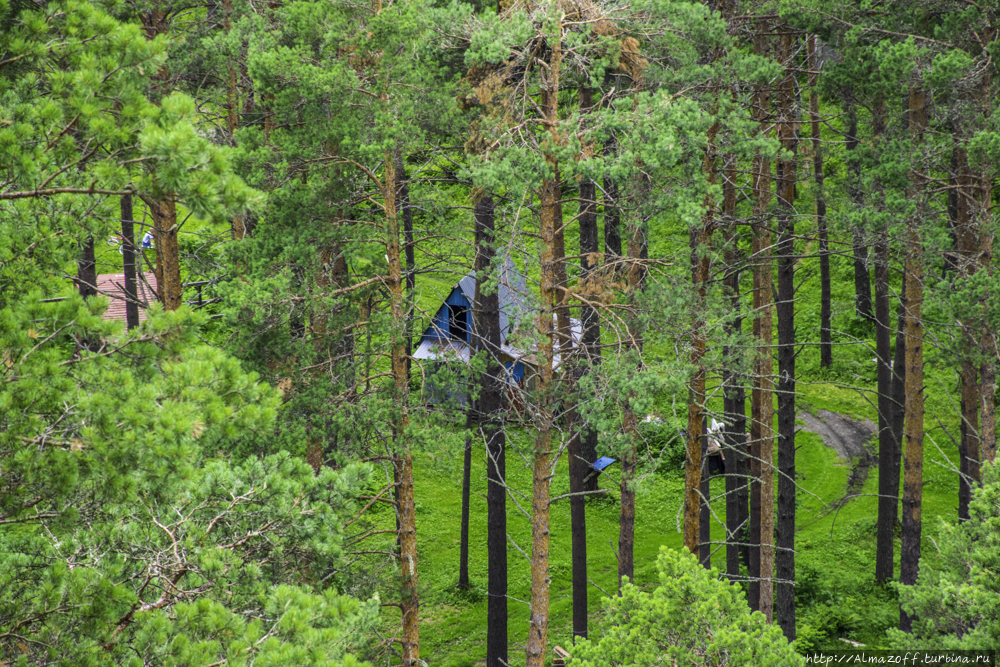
{"points": [[603, 462]]}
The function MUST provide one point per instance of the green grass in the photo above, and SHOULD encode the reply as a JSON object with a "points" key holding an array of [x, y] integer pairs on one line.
{"points": [[836, 548], [453, 623]]}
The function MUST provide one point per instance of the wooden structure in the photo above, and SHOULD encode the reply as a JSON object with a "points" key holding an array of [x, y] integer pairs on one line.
{"points": [[112, 285]]}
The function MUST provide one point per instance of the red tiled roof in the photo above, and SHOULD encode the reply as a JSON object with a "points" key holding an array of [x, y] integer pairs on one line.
{"points": [[113, 284]]}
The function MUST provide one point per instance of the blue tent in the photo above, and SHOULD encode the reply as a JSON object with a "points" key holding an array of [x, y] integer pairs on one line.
{"points": [[449, 335]]}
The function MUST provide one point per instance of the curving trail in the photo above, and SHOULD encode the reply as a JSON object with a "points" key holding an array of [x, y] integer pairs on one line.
{"points": [[848, 437]]}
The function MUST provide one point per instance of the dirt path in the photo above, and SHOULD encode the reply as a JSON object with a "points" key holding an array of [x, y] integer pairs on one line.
{"points": [[848, 437]]}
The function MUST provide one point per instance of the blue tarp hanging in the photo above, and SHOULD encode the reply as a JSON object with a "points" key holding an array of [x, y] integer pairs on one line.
{"points": [[603, 462]]}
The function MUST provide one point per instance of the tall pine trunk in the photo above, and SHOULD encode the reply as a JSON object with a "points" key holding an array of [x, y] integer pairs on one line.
{"points": [[491, 405], [542, 455], [888, 435], [913, 455], [967, 245], [898, 393], [700, 239], [734, 407], [409, 249], [590, 249], [626, 518], [785, 526], [704, 513], [635, 277], [550, 273], [128, 260], [862, 283], [168, 257], [163, 208], [987, 339], [737, 465], [888, 442], [232, 108], [612, 214], [761, 591], [403, 463], [86, 269], [825, 298], [583, 445], [463, 550]]}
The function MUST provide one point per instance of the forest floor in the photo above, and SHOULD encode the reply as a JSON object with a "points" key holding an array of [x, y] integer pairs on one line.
{"points": [[838, 598]]}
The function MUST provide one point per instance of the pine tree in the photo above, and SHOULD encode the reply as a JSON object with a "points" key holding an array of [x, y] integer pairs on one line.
{"points": [[690, 618], [913, 454], [784, 570]]}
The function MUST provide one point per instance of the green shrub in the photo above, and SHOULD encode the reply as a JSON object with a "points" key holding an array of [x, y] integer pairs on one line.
{"points": [[692, 618], [956, 600]]}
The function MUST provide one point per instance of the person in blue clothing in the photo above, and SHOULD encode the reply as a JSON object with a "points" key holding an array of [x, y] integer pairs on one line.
{"points": [[147, 239]]}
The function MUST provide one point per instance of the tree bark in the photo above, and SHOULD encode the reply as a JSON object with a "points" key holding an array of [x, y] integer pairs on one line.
{"points": [[888, 443], [913, 462], [164, 209], [888, 438], [463, 549], [491, 392], [87, 284], [968, 450], [86, 269], [168, 257], [825, 299], [898, 392], [409, 250], [128, 260], [626, 519], [410, 600], [704, 516], [967, 246], [785, 525], [862, 284], [737, 466], [583, 445], [612, 214], [550, 270], [762, 430], [987, 339], [765, 446], [635, 276], [590, 249], [403, 197], [700, 238], [538, 628], [987, 391], [735, 440]]}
